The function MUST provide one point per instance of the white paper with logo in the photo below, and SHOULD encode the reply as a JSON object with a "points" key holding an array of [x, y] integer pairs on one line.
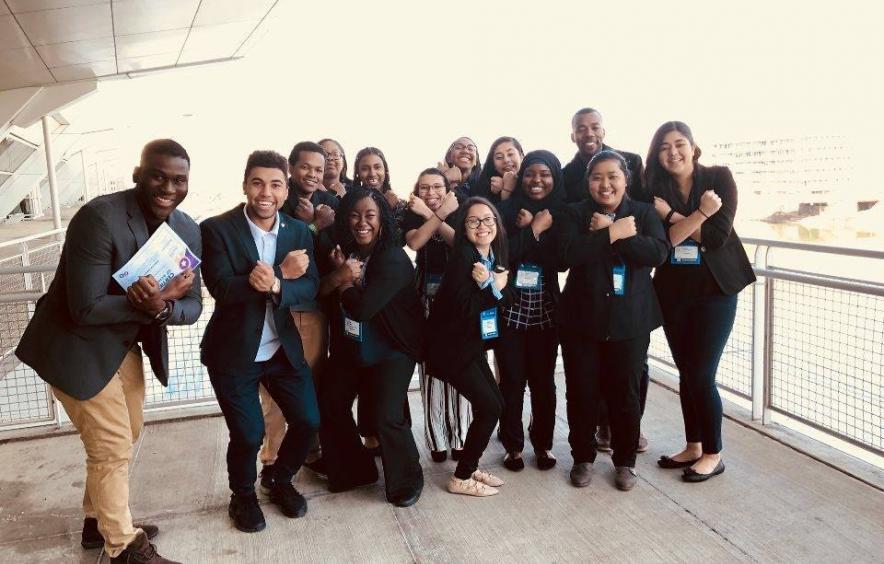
{"points": [[164, 256]]}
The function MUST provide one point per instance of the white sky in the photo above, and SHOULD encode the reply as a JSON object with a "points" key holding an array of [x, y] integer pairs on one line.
{"points": [[411, 77]]}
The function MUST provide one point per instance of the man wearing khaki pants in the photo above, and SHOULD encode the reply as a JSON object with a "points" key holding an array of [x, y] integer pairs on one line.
{"points": [[84, 336]]}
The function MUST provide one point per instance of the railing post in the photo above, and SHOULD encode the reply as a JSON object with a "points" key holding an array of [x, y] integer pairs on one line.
{"points": [[759, 337], [25, 262]]}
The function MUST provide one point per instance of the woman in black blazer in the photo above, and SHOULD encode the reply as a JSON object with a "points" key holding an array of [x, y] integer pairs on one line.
{"points": [[697, 286], [464, 322], [378, 337], [497, 181], [610, 243]]}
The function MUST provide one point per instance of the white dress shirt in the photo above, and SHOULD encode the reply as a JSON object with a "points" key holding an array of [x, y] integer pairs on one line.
{"points": [[265, 241]]}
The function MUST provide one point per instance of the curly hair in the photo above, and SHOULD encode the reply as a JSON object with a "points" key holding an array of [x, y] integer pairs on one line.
{"points": [[389, 235]]}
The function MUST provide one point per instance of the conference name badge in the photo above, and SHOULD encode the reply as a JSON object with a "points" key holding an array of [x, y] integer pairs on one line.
{"points": [[432, 283], [687, 252], [528, 276], [619, 279], [352, 329], [488, 323]]}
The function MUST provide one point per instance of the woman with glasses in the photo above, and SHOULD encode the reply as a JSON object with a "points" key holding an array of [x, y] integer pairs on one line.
{"points": [[528, 346], [610, 243], [497, 181], [697, 286], [461, 166], [335, 177], [378, 336], [464, 322], [428, 231]]}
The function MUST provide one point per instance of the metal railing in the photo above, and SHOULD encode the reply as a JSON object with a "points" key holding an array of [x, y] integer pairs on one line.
{"points": [[805, 345]]}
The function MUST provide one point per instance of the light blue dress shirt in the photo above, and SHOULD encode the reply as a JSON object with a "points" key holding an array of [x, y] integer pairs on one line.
{"points": [[265, 241]]}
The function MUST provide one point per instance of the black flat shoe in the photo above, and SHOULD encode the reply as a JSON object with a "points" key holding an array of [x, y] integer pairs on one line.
{"points": [[512, 463], [439, 455], [544, 461], [668, 463], [690, 475], [406, 498], [455, 454]]}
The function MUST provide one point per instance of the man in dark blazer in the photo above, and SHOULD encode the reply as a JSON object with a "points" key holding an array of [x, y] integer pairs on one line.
{"points": [[588, 133], [258, 264], [84, 336]]}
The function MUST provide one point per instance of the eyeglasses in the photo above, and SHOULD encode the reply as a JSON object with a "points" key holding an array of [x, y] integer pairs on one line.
{"points": [[473, 222], [433, 187], [334, 157], [462, 147]]}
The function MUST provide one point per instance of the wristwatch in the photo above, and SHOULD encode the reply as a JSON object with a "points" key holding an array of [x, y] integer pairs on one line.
{"points": [[162, 316]]}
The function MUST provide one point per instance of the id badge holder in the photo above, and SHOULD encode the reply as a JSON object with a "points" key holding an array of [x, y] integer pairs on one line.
{"points": [[688, 252], [431, 284], [619, 279], [488, 323], [352, 329], [528, 276]]}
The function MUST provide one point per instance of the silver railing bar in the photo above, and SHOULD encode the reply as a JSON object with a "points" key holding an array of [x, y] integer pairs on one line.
{"points": [[42, 235], [18, 297], [813, 247], [820, 280], [30, 269]]}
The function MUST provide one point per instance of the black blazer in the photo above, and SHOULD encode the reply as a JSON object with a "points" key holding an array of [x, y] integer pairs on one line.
{"points": [[523, 247], [589, 306], [576, 169], [390, 296], [721, 248], [454, 338], [84, 325], [233, 334]]}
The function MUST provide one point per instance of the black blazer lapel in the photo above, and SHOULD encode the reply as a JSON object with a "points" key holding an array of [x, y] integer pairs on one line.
{"points": [[244, 235], [136, 220]]}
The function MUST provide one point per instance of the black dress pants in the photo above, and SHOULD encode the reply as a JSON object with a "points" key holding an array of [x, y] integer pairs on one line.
{"points": [[527, 356], [348, 463], [292, 390], [476, 383], [609, 371]]}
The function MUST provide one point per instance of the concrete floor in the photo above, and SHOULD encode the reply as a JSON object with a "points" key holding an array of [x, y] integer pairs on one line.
{"points": [[773, 504]]}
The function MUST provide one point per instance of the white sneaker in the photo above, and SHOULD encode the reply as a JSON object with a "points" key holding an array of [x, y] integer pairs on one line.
{"points": [[487, 478], [470, 487]]}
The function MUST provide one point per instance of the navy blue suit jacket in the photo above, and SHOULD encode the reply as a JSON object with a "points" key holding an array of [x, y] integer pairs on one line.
{"points": [[233, 334]]}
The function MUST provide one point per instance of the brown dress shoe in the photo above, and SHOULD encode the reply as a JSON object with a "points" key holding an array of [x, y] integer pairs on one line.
{"points": [[91, 537], [140, 551]]}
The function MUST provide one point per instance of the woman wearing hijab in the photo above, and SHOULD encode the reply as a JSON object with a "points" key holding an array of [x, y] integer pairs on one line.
{"points": [[697, 286], [497, 182], [610, 243], [528, 345]]}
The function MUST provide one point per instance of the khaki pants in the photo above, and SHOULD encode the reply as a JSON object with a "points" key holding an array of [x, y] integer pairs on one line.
{"points": [[314, 336], [109, 424]]}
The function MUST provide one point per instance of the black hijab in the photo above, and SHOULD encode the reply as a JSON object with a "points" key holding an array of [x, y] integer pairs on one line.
{"points": [[520, 201]]}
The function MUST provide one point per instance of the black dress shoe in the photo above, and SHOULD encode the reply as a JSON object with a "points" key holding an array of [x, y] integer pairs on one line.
{"points": [[668, 463], [439, 455], [691, 475], [246, 513], [337, 486], [290, 501], [406, 498], [544, 460], [91, 538], [267, 479], [512, 462]]}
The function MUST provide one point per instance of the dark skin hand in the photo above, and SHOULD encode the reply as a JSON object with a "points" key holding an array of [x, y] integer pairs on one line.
{"points": [[145, 294]]}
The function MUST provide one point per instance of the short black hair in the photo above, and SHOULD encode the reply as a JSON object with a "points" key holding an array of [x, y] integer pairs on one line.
{"points": [[305, 147], [499, 246], [389, 235], [583, 111], [164, 147], [265, 159]]}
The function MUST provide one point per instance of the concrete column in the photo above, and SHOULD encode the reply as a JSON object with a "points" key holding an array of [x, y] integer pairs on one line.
{"points": [[50, 169]]}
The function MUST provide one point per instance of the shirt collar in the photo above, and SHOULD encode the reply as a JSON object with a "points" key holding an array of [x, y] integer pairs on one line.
{"points": [[257, 232]]}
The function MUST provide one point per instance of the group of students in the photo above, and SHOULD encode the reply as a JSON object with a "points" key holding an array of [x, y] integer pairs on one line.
{"points": [[317, 303]]}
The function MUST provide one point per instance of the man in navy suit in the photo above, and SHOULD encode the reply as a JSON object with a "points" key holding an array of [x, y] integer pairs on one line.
{"points": [[258, 264]]}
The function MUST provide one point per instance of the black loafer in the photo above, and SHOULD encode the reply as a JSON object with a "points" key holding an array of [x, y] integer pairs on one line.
{"points": [[690, 475], [439, 455], [544, 460], [406, 498], [455, 454], [513, 463], [668, 463]]}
